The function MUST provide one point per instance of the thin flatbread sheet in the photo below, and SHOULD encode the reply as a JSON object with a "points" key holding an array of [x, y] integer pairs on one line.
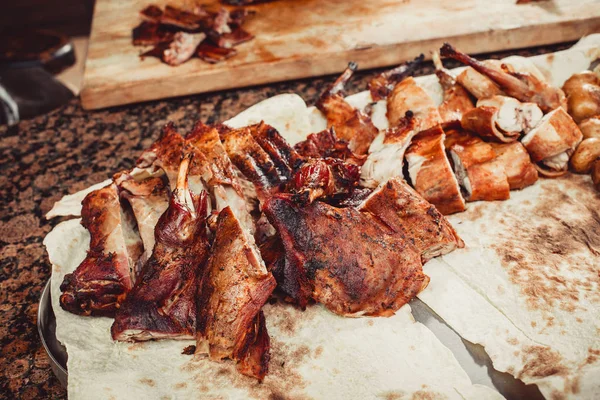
{"points": [[314, 354]]}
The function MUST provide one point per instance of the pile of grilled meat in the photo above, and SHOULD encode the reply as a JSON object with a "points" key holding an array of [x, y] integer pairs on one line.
{"points": [[177, 35], [193, 241]]}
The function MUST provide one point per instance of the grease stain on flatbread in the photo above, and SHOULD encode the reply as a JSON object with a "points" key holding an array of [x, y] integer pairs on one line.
{"points": [[180, 385], [428, 395], [392, 395], [540, 362], [148, 382]]}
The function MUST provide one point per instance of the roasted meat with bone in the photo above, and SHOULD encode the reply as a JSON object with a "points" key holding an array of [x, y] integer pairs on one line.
{"points": [[234, 287], [386, 154], [262, 156], [108, 272], [382, 85], [479, 173], [501, 118], [456, 101], [520, 171], [431, 173], [323, 178], [551, 143], [349, 123], [343, 258], [162, 304], [479, 85], [404, 211], [325, 144], [525, 87], [408, 96]]}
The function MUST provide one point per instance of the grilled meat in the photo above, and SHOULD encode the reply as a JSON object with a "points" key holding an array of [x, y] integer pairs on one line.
{"points": [[431, 173], [408, 96], [457, 100], [108, 272], [347, 260], [349, 123], [162, 303], [520, 171], [234, 287], [479, 85], [324, 178], [325, 144], [382, 85]]}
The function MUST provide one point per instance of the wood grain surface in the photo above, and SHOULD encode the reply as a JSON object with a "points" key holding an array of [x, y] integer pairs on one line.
{"points": [[302, 38]]}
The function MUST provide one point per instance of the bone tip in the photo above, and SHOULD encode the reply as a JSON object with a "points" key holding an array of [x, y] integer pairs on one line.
{"points": [[447, 50], [352, 66]]}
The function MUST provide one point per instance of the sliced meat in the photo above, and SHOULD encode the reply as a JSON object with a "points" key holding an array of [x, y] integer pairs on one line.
{"points": [[520, 171], [431, 173], [552, 141], [151, 34], [234, 287], [525, 87], [162, 303], [100, 283], [404, 211], [481, 176], [349, 123], [408, 96], [386, 154], [182, 48], [382, 85], [456, 101], [347, 260], [214, 54]]}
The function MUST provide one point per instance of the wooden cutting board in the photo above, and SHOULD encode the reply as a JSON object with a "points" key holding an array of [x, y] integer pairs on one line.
{"points": [[302, 38]]}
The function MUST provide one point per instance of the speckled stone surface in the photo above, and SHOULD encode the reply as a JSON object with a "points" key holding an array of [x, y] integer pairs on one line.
{"points": [[65, 151]]}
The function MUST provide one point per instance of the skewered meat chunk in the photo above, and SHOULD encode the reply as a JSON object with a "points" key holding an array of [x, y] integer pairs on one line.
{"points": [[149, 199], [479, 85], [386, 154], [520, 171], [404, 211], [478, 172], [457, 100], [552, 141], [522, 86], [162, 303], [583, 95], [234, 287], [349, 123], [431, 173], [382, 85], [108, 272], [409, 96], [346, 260], [501, 118], [262, 155]]}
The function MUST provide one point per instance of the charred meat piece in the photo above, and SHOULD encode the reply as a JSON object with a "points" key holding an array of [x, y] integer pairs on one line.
{"points": [[501, 118], [214, 54], [238, 16], [386, 154], [151, 13], [231, 39], [164, 154], [347, 260], [522, 86], [349, 123], [103, 279], [255, 362], [478, 172], [324, 178], [479, 85], [262, 155], [182, 48], [583, 95], [325, 144], [551, 143], [149, 199], [404, 211], [151, 34], [518, 167], [162, 303], [457, 100], [185, 19], [382, 85], [431, 173], [234, 287], [407, 96]]}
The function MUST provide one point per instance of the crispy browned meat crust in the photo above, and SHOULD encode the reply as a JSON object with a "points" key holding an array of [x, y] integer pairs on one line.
{"points": [[325, 144], [381, 86], [404, 211], [520, 171], [346, 260], [408, 97], [101, 282], [234, 287], [162, 303], [434, 180], [165, 153], [349, 123]]}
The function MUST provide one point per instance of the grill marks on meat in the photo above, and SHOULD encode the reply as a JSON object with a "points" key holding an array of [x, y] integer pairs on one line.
{"points": [[382, 85], [101, 282], [262, 156], [349, 123], [234, 287], [162, 303], [344, 259], [404, 211]]}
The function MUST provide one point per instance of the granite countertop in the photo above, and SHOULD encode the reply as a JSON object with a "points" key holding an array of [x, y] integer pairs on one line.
{"points": [[69, 149]]}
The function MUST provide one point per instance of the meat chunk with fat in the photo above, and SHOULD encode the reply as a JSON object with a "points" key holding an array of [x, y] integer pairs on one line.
{"points": [[408, 96], [520, 171]]}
